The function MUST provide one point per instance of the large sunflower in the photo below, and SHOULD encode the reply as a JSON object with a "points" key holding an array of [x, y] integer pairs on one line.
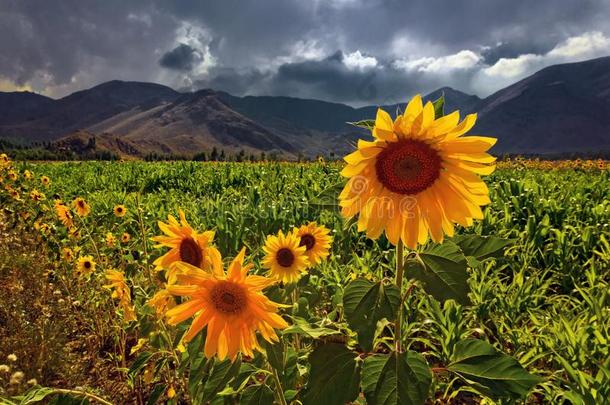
{"points": [[231, 305], [316, 240], [285, 257], [418, 176], [187, 245]]}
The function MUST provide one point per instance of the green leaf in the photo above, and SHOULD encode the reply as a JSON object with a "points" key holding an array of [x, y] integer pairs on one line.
{"points": [[403, 378], [367, 124], [275, 354], [365, 304], [222, 372], [490, 371], [443, 270], [334, 377], [258, 394], [439, 107], [156, 393], [34, 395], [139, 363], [302, 327], [482, 247]]}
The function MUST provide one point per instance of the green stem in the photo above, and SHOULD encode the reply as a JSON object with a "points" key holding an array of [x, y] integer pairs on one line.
{"points": [[278, 387], [399, 273], [295, 300]]}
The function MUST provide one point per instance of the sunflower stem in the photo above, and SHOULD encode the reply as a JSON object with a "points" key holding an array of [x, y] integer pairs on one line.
{"points": [[278, 387], [295, 300], [399, 273]]}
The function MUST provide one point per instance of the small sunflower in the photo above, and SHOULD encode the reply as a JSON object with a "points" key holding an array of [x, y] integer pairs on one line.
{"points": [[231, 305], [316, 240], [4, 160], [67, 254], [27, 174], [37, 196], [85, 265], [110, 239], [119, 211], [418, 177], [187, 245], [45, 181], [162, 301], [121, 292], [284, 257], [80, 205], [63, 214], [125, 237], [12, 175]]}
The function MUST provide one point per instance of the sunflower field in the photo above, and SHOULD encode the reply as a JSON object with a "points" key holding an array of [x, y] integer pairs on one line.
{"points": [[411, 273]]}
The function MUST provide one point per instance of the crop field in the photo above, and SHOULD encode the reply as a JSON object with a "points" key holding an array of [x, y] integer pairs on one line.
{"points": [[514, 308]]}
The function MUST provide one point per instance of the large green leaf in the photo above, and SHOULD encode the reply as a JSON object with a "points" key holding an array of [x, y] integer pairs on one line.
{"points": [[439, 106], [482, 247], [398, 378], [365, 304], [258, 394], [490, 371], [222, 372], [443, 270], [275, 354], [334, 377]]}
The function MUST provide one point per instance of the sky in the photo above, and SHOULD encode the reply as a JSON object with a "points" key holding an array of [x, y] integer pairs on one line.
{"points": [[351, 51]]}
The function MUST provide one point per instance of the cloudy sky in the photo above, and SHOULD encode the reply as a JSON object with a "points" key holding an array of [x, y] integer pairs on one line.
{"points": [[352, 51]]}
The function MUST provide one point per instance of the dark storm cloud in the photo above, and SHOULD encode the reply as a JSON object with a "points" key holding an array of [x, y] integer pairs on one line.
{"points": [[276, 46], [183, 57]]}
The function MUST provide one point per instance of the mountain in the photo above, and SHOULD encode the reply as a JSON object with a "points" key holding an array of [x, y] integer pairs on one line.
{"points": [[560, 109], [192, 122], [50, 119]]}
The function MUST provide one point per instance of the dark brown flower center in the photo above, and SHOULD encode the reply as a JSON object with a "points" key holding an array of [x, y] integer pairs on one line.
{"points": [[228, 297], [285, 257], [308, 240], [119, 210], [408, 166], [190, 252], [87, 265]]}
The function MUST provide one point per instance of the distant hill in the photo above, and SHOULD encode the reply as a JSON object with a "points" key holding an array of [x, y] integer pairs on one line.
{"points": [[560, 109]]}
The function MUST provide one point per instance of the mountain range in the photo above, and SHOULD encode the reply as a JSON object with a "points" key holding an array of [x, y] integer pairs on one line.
{"points": [[560, 109]]}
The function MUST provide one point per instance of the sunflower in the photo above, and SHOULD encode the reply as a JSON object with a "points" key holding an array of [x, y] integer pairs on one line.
{"points": [[121, 292], [85, 265], [27, 174], [110, 239], [45, 181], [187, 245], [162, 301], [232, 306], [67, 254], [12, 175], [418, 176], [119, 211], [316, 240], [4, 160], [82, 208], [125, 237], [63, 214], [285, 257], [36, 195]]}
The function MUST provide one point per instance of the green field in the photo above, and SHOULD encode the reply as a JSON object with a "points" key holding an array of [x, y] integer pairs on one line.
{"points": [[545, 302]]}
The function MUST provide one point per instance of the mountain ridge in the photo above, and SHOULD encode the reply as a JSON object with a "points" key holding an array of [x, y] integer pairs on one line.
{"points": [[561, 108]]}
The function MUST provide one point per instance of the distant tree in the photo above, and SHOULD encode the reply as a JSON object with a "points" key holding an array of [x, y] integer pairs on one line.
{"points": [[214, 154], [222, 157]]}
